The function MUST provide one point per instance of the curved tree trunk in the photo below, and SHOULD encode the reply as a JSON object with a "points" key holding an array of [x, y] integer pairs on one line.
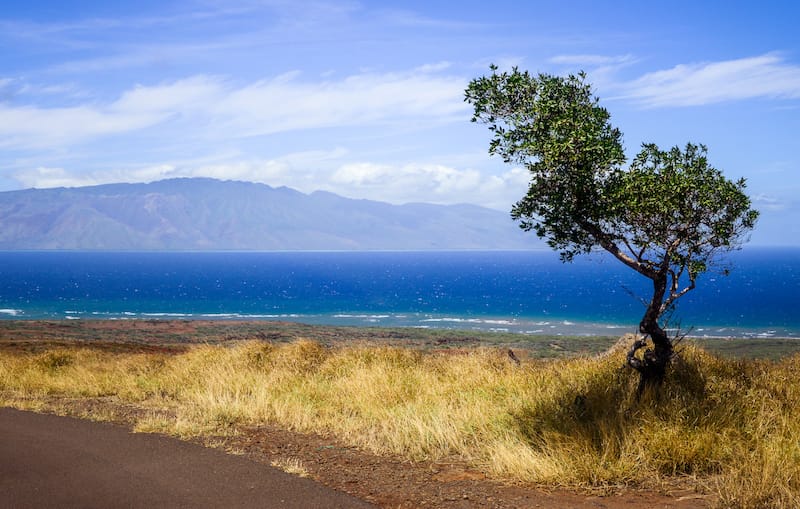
{"points": [[652, 366]]}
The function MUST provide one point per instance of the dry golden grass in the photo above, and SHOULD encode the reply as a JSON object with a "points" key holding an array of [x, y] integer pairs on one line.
{"points": [[291, 465], [734, 426]]}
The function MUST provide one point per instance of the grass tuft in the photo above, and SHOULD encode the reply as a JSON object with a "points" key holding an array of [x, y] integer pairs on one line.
{"points": [[291, 465]]}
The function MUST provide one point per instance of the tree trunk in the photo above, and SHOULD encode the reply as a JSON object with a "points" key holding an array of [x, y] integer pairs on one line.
{"points": [[652, 367]]}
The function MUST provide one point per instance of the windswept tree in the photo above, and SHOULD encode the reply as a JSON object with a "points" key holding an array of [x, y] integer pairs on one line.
{"points": [[668, 215]]}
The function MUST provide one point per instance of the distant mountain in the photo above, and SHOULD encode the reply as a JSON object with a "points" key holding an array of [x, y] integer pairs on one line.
{"points": [[208, 214]]}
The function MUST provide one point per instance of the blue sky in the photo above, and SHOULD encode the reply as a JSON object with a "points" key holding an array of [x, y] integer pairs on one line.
{"points": [[365, 99]]}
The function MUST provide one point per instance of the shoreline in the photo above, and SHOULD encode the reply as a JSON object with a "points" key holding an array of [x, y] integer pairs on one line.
{"points": [[183, 333], [525, 326]]}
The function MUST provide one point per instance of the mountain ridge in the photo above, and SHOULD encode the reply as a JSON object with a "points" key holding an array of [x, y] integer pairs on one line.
{"points": [[209, 214]]}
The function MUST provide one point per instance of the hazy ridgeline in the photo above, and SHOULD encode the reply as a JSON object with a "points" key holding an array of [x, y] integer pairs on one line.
{"points": [[729, 427]]}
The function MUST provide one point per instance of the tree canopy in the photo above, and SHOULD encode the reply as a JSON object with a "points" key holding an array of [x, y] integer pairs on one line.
{"points": [[667, 215]]}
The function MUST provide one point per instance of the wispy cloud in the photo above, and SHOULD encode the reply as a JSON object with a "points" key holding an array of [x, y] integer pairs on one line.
{"points": [[764, 76], [408, 18], [316, 170], [178, 97], [435, 183], [215, 106], [768, 202], [177, 35], [296, 169], [603, 69], [35, 126], [591, 60], [31, 127], [288, 103]]}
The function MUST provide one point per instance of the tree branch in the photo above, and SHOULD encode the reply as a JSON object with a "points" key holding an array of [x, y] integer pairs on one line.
{"points": [[609, 245], [675, 295], [633, 361]]}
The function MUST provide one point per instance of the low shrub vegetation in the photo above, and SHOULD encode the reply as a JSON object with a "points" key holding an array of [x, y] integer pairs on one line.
{"points": [[729, 426]]}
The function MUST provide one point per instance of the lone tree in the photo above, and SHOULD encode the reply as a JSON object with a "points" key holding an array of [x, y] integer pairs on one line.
{"points": [[667, 216]]}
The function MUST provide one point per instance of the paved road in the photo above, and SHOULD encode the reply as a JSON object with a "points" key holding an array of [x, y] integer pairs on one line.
{"points": [[48, 461]]}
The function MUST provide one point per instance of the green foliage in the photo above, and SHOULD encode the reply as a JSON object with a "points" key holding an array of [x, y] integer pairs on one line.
{"points": [[673, 203], [556, 128], [667, 216]]}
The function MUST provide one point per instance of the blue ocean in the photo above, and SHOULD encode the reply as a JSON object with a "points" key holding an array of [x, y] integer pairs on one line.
{"points": [[525, 292]]}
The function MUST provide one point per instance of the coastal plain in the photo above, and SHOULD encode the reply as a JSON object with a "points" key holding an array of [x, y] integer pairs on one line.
{"points": [[178, 335]]}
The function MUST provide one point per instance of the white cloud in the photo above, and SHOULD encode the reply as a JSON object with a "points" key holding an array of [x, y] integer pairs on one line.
{"points": [[191, 94], [406, 183], [32, 127], [767, 202], [433, 183], [602, 69], [591, 60], [440, 66], [46, 177], [286, 103], [294, 169], [765, 76], [397, 184], [222, 111]]}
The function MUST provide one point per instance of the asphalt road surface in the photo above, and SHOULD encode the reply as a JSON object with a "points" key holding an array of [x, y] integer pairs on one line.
{"points": [[47, 461]]}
